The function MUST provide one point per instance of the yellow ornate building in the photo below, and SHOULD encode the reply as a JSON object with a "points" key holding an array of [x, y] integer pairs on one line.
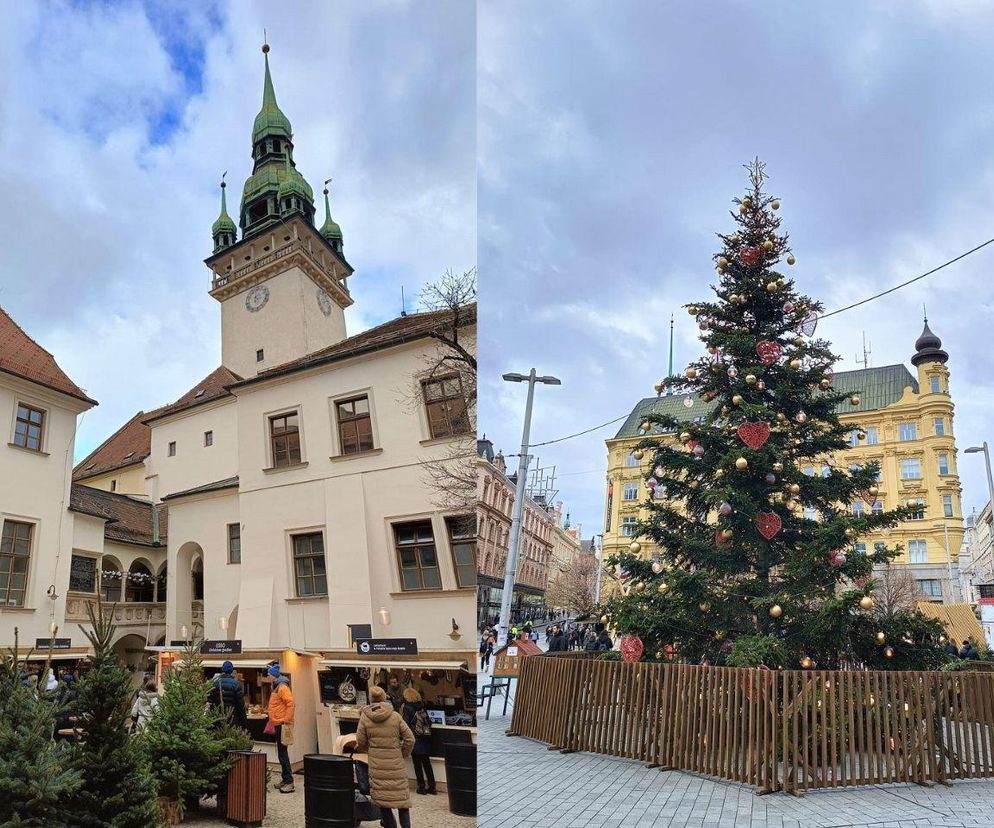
{"points": [[904, 421]]}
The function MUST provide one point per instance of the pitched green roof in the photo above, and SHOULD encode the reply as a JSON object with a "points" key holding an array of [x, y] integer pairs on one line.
{"points": [[330, 229], [877, 388], [224, 221], [270, 120]]}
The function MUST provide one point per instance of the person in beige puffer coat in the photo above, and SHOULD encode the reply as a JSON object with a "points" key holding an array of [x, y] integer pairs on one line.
{"points": [[388, 741]]}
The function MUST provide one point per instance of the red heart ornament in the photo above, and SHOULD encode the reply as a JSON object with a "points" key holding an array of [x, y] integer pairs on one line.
{"points": [[768, 524], [754, 435], [768, 351], [750, 255], [869, 499], [631, 648]]}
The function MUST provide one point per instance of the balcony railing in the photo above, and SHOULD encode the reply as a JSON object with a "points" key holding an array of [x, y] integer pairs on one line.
{"points": [[126, 614]]}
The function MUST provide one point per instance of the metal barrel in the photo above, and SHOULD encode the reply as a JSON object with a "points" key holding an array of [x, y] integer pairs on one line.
{"points": [[460, 778], [329, 799]]}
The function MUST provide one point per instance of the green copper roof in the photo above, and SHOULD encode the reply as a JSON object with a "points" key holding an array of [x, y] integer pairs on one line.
{"points": [[293, 183], [270, 120], [224, 221], [877, 388], [330, 229]]}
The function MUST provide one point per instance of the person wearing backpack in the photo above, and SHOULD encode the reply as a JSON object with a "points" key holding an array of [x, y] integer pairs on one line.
{"points": [[416, 718]]}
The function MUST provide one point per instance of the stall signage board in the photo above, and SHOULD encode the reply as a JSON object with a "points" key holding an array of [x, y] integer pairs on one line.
{"points": [[221, 647], [386, 646], [55, 643], [178, 643]]}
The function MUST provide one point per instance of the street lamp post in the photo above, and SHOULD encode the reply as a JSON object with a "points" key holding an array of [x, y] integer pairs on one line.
{"points": [[990, 480], [598, 555], [954, 591], [504, 622]]}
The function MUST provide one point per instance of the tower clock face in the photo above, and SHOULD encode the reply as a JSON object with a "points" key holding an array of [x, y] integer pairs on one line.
{"points": [[256, 298], [324, 302]]}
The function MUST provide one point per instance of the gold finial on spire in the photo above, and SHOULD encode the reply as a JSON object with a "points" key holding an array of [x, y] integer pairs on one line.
{"points": [[265, 42], [327, 181], [223, 185]]}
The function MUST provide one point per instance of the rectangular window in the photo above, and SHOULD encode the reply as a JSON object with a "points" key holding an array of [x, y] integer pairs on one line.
{"points": [[826, 471], [446, 407], [416, 555], [113, 485], [172, 449], [877, 507], [462, 540], [15, 552], [628, 526], [947, 505], [934, 384], [631, 460], [879, 546], [208, 438], [308, 565], [907, 431], [940, 427], [917, 551], [29, 427], [260, 355], [943, 463], [918, 507], [872, 437], [809, 471], [854, 438], [82, 574], [857, 509], [234, 543], [284, 439], [931, 587], [860, 548], [631, 491], [355, 428], [911, 469]]}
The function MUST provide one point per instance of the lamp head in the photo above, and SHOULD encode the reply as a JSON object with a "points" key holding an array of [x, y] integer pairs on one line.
{"points": [[973, 449], [514, 377]]}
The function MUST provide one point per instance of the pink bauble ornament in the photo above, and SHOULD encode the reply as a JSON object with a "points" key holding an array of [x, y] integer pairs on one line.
{"points": [[725, 508], [659, 471], [698, 451], [688, 402], [788, 307], [771, 478], [631, 648], [657, 566]]}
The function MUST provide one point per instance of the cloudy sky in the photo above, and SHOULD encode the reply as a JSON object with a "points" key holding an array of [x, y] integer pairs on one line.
{"points": [[611, 142], [118, 119]]}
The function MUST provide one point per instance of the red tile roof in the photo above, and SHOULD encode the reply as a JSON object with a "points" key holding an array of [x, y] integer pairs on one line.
{"points": [[128, 519], [211, 387], [130, 444], [395, 332], [21, 356]]}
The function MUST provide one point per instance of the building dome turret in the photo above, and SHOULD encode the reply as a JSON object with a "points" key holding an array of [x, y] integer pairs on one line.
{"points": [[928, 348], [330, 230], [270, 121], [223, 231]]}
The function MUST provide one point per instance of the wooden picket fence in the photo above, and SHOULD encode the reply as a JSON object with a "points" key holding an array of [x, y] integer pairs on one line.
{"points": [[791, 730]]}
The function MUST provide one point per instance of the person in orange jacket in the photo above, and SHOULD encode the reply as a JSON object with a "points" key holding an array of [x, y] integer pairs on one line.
{"points": [[281, 711]]}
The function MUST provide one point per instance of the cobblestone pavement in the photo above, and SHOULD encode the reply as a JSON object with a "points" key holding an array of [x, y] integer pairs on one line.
{"points": [[525, 785], [287, 811]]}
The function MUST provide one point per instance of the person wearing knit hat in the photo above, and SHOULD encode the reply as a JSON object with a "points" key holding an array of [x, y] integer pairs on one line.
{"points": [[227, 694], [281, 713]]}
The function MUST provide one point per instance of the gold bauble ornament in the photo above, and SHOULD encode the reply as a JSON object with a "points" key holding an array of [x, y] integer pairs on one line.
{"points": [[850, 532], [719, 473], [781, 283], [778, 467], [751, 379], [795, 364], [646, 426], [767, 245], [866, 602], [725, 411], [825, 383], [704, 606], [790, 259], [873, 490], [854, 399], [881, 637], [727, 534], [661, 589], [795, 488], [889, 652], [692, 484], [722, 261], [684, 436], [743, 207], [692, 310], [638, 454], [691, 373], [659, 386], [806, 663], [635, 547], [737, 399], [781, 417], [733, 298], [775, 204], [603, 619], [771, 286], [776, 611], [747, 200], [741, 464], [798, 342]]}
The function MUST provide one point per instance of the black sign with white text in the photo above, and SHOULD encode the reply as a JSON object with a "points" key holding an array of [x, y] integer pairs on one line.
{"points": [[56, 643], [386, 646], [221, 647]]}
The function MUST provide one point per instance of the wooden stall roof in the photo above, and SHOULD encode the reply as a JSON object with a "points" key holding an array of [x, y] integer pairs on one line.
{"points": [[508, 665], [958, 619]]}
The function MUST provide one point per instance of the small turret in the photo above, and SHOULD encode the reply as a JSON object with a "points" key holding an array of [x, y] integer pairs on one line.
{"points": [[223, 230], [928, 348], [330, 229]]}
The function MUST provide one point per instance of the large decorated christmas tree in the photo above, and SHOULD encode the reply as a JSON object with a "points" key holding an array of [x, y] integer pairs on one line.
{"points": [[757, 563]]}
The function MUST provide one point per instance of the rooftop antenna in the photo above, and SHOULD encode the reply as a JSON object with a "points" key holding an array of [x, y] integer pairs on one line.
{"points": [[403, 302], [867, 353], [669, 388]]}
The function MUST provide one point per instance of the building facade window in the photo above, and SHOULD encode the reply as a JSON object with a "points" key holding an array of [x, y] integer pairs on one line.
{"points": [[631, 460], [162, 585], [446, 407], [82, 574], [860, 548], [260, 355], [931, 587], [809, 471], [854, 438], [911, 469], [631, 491], [628, 526], [29, 427], [141, 584], [208, 438], [947, 505], [879, 546], [234, 543], [918, 509], [309, 566], [917, 551], [284, 439], [857, 509], [943, 463], [15, 554], [355, 427], [907, 431], [877, 507], [462, 541], [940, 427], [872, 436], [934, 385], [172, 448], [110, 582], [416, 556]]}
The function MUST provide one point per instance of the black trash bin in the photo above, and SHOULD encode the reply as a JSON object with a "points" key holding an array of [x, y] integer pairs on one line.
{"points": [[329, 798], [460, 778]]}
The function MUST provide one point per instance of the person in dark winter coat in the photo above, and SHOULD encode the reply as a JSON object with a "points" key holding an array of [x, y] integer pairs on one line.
{"points": [[604, 642], [415, 716], [226, 692], [557, 644], [951, 648]]}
